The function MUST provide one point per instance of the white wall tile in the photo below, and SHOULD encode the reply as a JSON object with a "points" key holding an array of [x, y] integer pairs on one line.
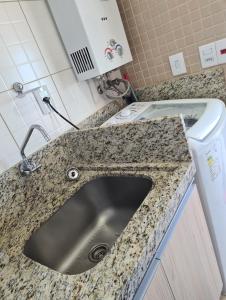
{"points": [[40, 68], [20, 57], [75, 95], [99, 100], [23, 31], [2, 85], [10, 75], [14, 14], [9, 151], [4, 18], [5, 59], [26, 73], [32, 51], [20, 113], [8, 34], [46, 35], [18, 54]]}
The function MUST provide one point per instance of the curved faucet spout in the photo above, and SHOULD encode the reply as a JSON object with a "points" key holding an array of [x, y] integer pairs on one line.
{"points": [[27, 167]]}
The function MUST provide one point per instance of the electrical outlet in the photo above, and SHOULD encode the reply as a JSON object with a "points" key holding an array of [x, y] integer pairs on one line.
{"points": [[177, 64], [208, 55], [39, 94], [221, 51]]}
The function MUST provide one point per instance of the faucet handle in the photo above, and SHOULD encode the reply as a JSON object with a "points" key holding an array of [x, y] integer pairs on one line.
{"points": [[27, 167]]}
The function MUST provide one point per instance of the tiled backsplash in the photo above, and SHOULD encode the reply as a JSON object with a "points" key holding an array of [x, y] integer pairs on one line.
{"points": [[31, 52], [157, 29]]}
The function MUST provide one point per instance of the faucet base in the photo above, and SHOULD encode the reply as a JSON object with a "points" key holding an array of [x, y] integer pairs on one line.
{"points": [[27, 167]]}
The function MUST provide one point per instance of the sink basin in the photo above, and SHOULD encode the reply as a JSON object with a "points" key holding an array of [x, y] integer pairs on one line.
{"points": [[84, 229]]}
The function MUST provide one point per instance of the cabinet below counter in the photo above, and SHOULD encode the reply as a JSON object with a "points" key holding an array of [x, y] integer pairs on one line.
{"points": [[185, 265]]}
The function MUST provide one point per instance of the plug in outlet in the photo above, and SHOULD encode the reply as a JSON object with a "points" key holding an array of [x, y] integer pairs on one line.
{"points": [[39, 94], [208, 55], [177, 64]]}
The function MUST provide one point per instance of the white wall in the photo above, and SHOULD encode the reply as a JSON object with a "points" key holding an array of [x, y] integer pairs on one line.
{"points": [[31, 52]]}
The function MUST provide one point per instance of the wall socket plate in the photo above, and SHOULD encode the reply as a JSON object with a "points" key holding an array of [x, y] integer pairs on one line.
{"points": [[39, 94], [208, 55], [177, 64], [221, 51]]}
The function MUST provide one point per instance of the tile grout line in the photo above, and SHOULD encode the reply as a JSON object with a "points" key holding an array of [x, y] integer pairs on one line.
{"points": [[50, 75]]}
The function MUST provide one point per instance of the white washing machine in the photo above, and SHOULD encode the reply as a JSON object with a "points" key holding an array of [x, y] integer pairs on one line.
{"points": [[205, 123]]}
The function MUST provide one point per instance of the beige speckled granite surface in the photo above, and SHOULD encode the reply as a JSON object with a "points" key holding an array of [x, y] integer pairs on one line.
{"points": [[25, 203], [207, 84], [103, 114]]}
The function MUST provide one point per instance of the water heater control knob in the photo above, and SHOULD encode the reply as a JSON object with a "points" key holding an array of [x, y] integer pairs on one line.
{"points": [[119, 49], [109, 54]]}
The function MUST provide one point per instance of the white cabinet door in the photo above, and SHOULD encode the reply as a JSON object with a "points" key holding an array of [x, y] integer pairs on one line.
{"points": [[189, 261], [159, 288]]}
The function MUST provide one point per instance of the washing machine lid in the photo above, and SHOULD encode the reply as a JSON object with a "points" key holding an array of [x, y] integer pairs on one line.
{"points": [[202, 114], [208, 120]]}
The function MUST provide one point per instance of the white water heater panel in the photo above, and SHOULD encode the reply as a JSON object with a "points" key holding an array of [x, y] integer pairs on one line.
{"points": [[93, 35]]}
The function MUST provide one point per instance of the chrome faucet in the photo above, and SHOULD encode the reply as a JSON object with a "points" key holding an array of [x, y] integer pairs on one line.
{"points": [[27, 166]]}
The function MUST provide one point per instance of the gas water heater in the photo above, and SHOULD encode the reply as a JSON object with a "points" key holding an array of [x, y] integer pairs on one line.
{"points": [[93, 35]]}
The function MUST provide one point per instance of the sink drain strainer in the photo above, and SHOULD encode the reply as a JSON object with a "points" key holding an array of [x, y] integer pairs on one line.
{"points": [[98, 252]]}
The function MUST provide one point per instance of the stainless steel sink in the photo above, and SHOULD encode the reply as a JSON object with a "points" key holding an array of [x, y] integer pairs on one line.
{"points": [[84, 229]]}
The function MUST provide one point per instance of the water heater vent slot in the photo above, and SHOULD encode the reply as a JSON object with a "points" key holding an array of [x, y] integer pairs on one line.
{"points": [[82, 60]]}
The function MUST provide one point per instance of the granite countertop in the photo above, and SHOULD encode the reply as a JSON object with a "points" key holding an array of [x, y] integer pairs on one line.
{"points": [[209, 83], [139, 149]]}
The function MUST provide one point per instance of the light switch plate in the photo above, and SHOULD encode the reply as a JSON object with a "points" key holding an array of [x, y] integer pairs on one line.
{"points": [[208, 55], [177, 64], [221, 51]]}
